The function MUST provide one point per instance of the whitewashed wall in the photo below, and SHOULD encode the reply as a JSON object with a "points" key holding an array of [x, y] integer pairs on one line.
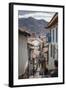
{"points": [[51, 59], [23, 54]]}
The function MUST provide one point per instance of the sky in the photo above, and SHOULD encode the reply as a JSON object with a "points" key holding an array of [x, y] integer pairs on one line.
{"points": [[36, 14]]}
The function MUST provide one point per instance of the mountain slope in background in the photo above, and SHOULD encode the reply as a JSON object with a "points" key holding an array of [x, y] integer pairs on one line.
{"points": [[33, 25]]}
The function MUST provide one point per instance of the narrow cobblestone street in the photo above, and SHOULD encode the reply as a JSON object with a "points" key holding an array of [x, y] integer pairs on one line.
{"points": [[36, 75]]}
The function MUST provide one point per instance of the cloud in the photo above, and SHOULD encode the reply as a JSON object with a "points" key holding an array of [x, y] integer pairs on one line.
{"points": [[38, 15]]}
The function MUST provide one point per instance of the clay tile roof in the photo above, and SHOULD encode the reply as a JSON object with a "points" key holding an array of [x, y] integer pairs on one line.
{"points": [[24, 31], [53, 21]]}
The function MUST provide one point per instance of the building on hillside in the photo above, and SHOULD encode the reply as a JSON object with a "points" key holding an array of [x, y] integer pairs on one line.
{"points": [[30, 61], [33, 53]]}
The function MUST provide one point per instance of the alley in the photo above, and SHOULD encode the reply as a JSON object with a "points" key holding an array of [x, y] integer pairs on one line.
{"points": [[38, 52], [36, 75]]}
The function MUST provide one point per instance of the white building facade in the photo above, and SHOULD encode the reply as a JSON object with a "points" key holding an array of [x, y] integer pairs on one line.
{"points": [[22, 52], [53, 44]]}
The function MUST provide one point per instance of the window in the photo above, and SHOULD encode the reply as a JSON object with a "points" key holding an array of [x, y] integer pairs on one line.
{"points": [[51, 50], [56, 35], [50, 35], [53, 35]]}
